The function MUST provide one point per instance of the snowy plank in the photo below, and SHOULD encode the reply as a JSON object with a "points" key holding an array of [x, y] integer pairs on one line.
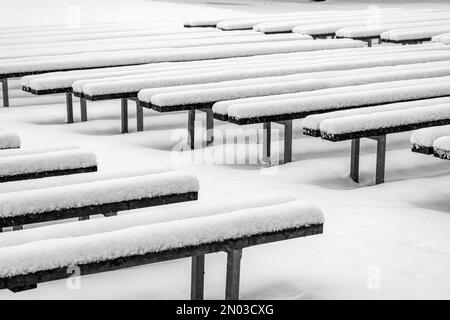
{"points": [[414, 34], [18, 67], [278, 108], [63, 81], [151, 43], [185, 210], [442, 148], [283, 85], [111, 89], [240, 224], [38, 165], [98, 197], [9, 140], [384, 122], [422, 140], [311, 124]]}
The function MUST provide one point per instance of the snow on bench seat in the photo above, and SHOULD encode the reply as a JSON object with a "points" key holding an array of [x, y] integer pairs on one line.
{"points": [[100, 35], [19, 67], [62, 81], [422, 140], [414, 34], [38, 165], [9, 140], [443, 38], [151, 43], [158, 214], [311, 124], [442, 147], [23, 267], [97, 197], [283, 85], [277, 107], [384, 122], [118, 88], [375, 31]]}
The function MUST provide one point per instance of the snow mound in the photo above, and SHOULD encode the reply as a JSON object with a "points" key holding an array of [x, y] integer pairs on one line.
{"points": [[9, 140]]}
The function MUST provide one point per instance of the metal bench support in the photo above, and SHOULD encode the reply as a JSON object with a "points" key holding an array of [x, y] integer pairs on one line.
{"points": [[267, 139], [198, 277], [5, 92], [381, 159], [139, 117], [69, 103], [191, 129], [83, 109], [124, 114], [354, 160], [233, 274], [267, 135], [209, 127]]}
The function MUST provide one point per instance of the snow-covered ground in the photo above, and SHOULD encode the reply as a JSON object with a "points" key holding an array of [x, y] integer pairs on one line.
{"points": [[385, 241]]}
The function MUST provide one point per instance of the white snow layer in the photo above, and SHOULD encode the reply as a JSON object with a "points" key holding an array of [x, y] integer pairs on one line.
{"points": [[280, 86], [50, 254], [152, 44], [444, 38], [109, 86], [352, 96], [414, 33], [96, 193], [9, 140], [118, 58], [65, 79], [385, 119], [47, 161], [313, 122], [158, 214], [426, 137], [442, 147]]}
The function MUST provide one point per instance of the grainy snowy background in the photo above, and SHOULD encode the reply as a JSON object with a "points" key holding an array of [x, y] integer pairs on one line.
{"points": [[385, 241]]}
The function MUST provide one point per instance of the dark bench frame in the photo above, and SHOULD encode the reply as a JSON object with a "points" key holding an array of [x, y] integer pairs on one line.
{"points": [[44, 174], [369, 40], [422, 149], [379, 135], [83, 213], [408, 41], [232, 247]]}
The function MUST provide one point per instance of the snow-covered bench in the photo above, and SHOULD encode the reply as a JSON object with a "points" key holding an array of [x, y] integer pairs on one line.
{"points": [[9, 140], [203, 96], [46, 164], [414, 35], [373, 32], [80, 200], [442, 148], [376, 126], [284, 108], [30, 257], [422, 140]]}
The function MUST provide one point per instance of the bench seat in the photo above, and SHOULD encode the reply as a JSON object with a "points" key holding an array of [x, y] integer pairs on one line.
{"points": [[46, 164], [422, 140], [22, 267], [376, 126], [441, 147], [9, 140], [414, 35], [96, 197]]}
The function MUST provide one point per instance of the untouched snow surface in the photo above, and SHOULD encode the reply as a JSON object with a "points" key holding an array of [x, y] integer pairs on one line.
{"points": [[379, 242]]}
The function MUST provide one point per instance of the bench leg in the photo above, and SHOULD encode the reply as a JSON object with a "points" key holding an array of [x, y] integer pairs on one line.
{"points": [[198, 277], [267, 130], [354, 160], [233, 274], [83, 218], [124, 114], [287, 141], [381, 159], [209, 127], [191, 129], [139, 117], [69, 104], [5, 92], [83, 109], [16, 228]]}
